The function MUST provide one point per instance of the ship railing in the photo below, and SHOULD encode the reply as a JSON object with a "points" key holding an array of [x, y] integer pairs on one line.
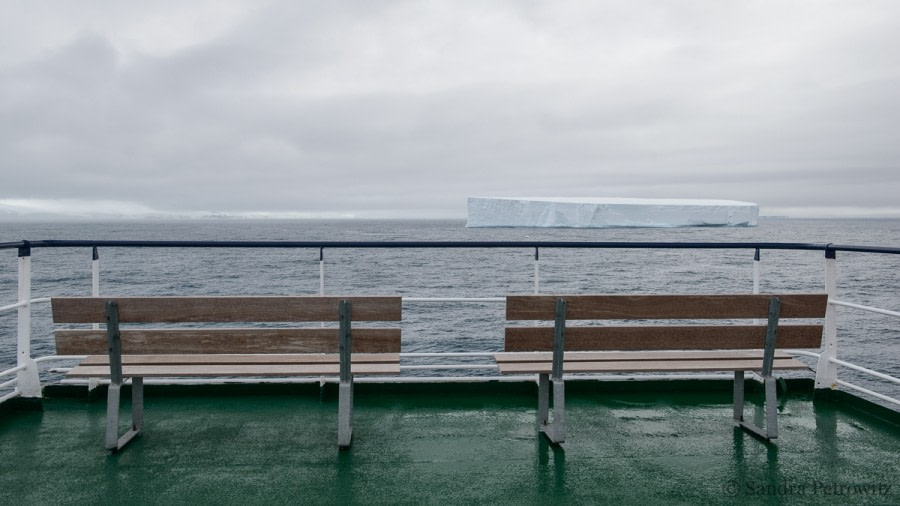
{"points": [[26, 381]]}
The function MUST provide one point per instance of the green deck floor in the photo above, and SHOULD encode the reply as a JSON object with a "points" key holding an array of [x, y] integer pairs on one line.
{"points": [[450, 444]]}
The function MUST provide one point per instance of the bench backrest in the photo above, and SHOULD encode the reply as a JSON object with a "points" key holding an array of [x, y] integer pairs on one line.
{"points": [[663, 307], [219, 310]]}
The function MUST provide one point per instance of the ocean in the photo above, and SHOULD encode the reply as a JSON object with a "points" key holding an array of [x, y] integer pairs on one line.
{"points": [[866, 339]]}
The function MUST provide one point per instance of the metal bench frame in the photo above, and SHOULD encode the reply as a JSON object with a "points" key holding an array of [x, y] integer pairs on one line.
{"points": [[228, 364], [556, 431], [554, 427], [116, 442]]}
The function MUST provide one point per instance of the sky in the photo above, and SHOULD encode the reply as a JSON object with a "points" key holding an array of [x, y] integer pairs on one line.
{"points": [[403, 109]]}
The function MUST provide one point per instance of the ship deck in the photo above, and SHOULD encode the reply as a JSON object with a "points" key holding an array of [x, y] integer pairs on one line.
{"points": [[628, 442]]}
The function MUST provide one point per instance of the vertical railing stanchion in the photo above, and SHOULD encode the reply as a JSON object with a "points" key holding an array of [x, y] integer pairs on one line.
{"points": [[537, 271], [321, 271], [756, 271], [756, 278], [826, 370], [28, 382], [322, 277], [95, 292], [95, 277]]}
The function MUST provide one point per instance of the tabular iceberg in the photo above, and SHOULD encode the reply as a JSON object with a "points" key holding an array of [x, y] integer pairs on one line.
{"points": [[608, 212]]}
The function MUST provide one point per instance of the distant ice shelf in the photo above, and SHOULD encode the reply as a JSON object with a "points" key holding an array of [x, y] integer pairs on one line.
{"points": [[608, 212]]}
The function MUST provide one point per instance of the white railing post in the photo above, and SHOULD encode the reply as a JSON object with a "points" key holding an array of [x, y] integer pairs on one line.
{"points": [[321, 271], [322, 276], [93, 383], [826, 370], [756, 271], [29, 383], [95, 277]]}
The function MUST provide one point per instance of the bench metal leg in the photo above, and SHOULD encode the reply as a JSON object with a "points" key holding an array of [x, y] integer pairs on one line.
{"points": [[114, 395], [543, 415], [771, 406], [345, 414], [137, 403], [771, 409], [113, 400], [559, 412], [345, 392], [738, 396], [771, 430], [555, 430], [112, 417]]}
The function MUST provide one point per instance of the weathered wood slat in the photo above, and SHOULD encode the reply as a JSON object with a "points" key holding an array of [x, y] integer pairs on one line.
{"points": [[304, 358], [649, 366], [224, 309], [656, 337], [625, 307], [618, 356], [227, 340], [234, 370]]}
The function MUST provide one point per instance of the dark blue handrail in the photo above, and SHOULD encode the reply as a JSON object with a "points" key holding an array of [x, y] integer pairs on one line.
{"points": [[827, 248]]}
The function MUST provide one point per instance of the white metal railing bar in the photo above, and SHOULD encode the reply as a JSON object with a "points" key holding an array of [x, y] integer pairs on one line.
{"points": [[14, 393], [17, 305], [454, 299], [855, 367], [9, 383], [804, 353], [485, 354], [865, 308], [867, 391], [14, 370], [446, 367], [60, 357], [10, 307]]}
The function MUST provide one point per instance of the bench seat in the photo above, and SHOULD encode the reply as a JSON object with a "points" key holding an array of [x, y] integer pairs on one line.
{"points": [[97, 366], [643, 361]]}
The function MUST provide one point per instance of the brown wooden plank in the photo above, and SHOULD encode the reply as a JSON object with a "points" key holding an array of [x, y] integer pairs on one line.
{"points": [[272, 359], [663, 307], [658, 337], [649, 366], [234, 370], [222, 340], [225, 309], [618, 356]]}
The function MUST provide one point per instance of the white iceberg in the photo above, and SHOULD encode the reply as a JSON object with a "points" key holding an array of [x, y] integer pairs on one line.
{"points": [[608, 212]]}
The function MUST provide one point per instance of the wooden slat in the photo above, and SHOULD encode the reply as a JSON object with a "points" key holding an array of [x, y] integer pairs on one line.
{"points": [[618, 356], [663, 307], [222, 340], [649, 366], [679, 337], [259, 359], [234, 370], [224, 309]]}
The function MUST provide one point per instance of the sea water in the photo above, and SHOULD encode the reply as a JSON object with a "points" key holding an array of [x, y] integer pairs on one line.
{"points": [[866, 339]]}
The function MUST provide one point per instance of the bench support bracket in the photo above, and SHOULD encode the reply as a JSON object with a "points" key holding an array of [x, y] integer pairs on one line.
{"points": [[345, 391], [555, 431], [771, 429], [113, 441]]}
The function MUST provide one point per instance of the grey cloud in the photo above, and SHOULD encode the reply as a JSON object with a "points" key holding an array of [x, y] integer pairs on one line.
{"points": [[407, 107]]}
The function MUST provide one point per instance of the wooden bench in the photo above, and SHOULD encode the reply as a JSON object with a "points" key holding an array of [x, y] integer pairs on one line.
{"points": [[549, 351], [139, 352]]}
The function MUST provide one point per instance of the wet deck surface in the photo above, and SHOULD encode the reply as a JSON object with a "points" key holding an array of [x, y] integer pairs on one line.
{"points": [[446, 444]]}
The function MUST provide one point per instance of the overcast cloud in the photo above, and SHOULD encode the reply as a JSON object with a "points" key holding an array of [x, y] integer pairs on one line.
{"points": [[405, 108]]}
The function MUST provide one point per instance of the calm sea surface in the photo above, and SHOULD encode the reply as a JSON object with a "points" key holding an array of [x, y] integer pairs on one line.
{"points": [[866, 339]]}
